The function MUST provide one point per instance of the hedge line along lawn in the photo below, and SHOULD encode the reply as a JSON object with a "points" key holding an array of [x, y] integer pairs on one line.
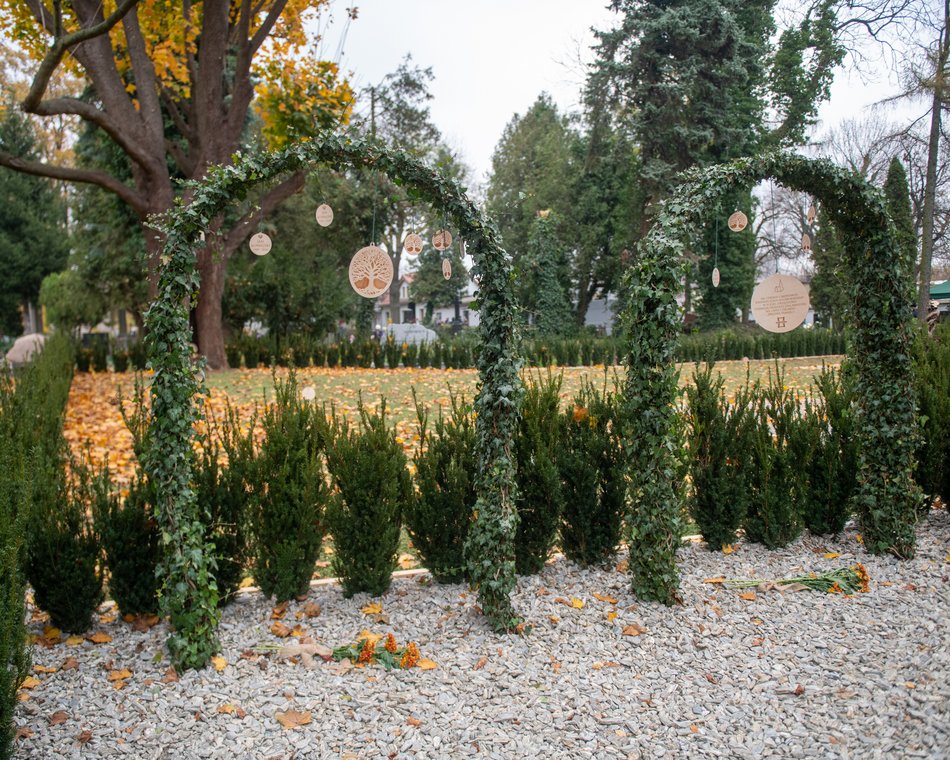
{"points": [[93, 411]]}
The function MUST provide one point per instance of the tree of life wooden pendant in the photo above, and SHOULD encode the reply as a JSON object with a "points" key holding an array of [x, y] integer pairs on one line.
{"points": [[442, 240], [371, 271], [413, 244], [738, 221]]}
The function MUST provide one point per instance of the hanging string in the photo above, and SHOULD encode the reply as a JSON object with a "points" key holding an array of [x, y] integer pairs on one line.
{"points": [[774, 236], [716, 250]]}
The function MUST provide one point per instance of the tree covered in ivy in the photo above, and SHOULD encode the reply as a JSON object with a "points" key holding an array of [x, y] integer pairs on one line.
{"points": [[550, 305]]}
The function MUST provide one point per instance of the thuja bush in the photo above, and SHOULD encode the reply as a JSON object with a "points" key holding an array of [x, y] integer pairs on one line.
{"points": [[222, 484], [590, 462], [932, 378], [64, 551], [779, 463], [289, 495], [828, 425], [718, 438], [14, 651], [372, 488], [540, 495], [130, 542], [438, 516]]}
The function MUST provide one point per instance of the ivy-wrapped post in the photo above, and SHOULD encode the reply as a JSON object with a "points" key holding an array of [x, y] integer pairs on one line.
{"points": [[651, 323], [189, 594]]}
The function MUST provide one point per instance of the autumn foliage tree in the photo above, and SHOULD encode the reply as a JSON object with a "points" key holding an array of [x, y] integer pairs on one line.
{"points": [[173, 85]]}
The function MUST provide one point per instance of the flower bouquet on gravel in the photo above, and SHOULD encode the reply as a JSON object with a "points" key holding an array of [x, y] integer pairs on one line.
{"points": [[372, 648], [845, 580]]}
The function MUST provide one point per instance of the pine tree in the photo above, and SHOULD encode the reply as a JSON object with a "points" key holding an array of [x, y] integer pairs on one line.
{"points": [[897, 197]]}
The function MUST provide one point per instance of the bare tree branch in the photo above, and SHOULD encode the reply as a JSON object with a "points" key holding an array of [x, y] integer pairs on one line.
{"points": [[240, 231], [88, 176]]}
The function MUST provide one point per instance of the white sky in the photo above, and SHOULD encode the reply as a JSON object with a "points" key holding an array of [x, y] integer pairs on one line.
{"points": [[492, 58]]}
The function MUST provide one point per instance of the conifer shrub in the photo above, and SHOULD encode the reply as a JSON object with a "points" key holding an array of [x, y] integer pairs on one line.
{"points": [[222, 486], [590, 462], [372, 488], [289, 495], [130, 542], [14, 649], [833, 464], [718, 437], [932, 378], [64, 551], [439, 515], [779, 464], [540, 495]]}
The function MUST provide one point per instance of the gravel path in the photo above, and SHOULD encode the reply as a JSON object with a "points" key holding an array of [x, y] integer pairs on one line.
{"points": [[791, 675]]}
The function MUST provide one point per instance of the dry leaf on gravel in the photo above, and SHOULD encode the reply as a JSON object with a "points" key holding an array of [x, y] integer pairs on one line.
{"points": [[171, 676], [70, 663], [219, 663], [280, 630], [372, 609], [634, 630], [604, 598], [100, 637], [30, 683], [482, 662], [60, 716], [748, 596], [425, 664], [119, 675], [293, 718]]}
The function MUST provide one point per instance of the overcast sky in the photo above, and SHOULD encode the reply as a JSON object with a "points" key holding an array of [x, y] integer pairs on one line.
{"points": [[492, 58]]}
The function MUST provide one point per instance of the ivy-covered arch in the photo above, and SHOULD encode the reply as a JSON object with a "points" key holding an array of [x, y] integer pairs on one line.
{"points": [[189, 596], [879, 283]]}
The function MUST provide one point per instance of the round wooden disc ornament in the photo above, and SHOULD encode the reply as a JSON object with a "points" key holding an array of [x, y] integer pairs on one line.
{"points": [[812, 213], [780, 303], [442, 240], [715, 277], [324, 215], [806, 242], [738, 221], [371, 271], [260, 244], [309, 393], [447, 269], [413, 244]]}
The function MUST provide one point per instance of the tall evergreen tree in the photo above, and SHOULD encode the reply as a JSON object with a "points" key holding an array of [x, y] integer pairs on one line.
{"points": [[551, 305], [897, 196], [32, 225], [828, 288]]}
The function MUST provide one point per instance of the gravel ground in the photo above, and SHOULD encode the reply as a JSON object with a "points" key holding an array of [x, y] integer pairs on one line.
{"points": [[792, 675]]}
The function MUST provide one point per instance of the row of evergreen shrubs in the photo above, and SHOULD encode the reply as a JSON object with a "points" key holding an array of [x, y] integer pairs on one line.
{"points": [[769, 460], [33, 512], [462, 352]]}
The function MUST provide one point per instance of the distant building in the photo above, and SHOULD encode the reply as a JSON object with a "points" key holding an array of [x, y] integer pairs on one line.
{"points": [[410, 312]]}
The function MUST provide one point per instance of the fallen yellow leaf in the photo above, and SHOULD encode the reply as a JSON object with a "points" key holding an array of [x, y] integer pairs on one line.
{"points": [[117, 685], [246, 583], [415, 722], [831, 555], [717, 579], [373, 638], [119, 675], [219, 663], [30, 683], [425, 664], [280, 630], [372, 609], [577, 604], [748, 596], [293, 718], [99, 637], [612, 615], [227, 709], [74, 641], [604, 598], [728, 548], [607, 664], [44, 669], [51, 634]]}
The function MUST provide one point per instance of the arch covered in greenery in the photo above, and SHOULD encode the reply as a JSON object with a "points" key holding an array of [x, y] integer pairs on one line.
{"points": [[880, 287], [189, 596]]}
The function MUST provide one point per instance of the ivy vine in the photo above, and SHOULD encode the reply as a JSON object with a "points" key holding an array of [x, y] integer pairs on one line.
{"points": [[879, 316], [189, 595]]}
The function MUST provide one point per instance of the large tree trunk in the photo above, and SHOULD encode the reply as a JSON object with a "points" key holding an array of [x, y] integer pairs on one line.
{"points": [[208, 312], [930, 183]]}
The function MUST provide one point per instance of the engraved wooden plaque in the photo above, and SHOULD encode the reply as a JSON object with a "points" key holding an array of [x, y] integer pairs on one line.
{"points": [[371, 271], [780, 303]]}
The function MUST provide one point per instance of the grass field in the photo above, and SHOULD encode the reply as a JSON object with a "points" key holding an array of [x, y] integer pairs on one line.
{"points": [[93, 415]]}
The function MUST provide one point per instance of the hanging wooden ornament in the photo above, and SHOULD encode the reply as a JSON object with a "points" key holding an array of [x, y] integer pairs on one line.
{"points": [[780, 303], [442, 240], [812, 213], [806, 242], [371, 271], [260, 244], [324, 215], [447, 269], [715, 277], [309, 393], [738, 221], [413, 244]]}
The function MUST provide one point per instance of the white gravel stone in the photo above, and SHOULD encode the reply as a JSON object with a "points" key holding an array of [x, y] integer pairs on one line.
{"points": [[793, 675]]}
